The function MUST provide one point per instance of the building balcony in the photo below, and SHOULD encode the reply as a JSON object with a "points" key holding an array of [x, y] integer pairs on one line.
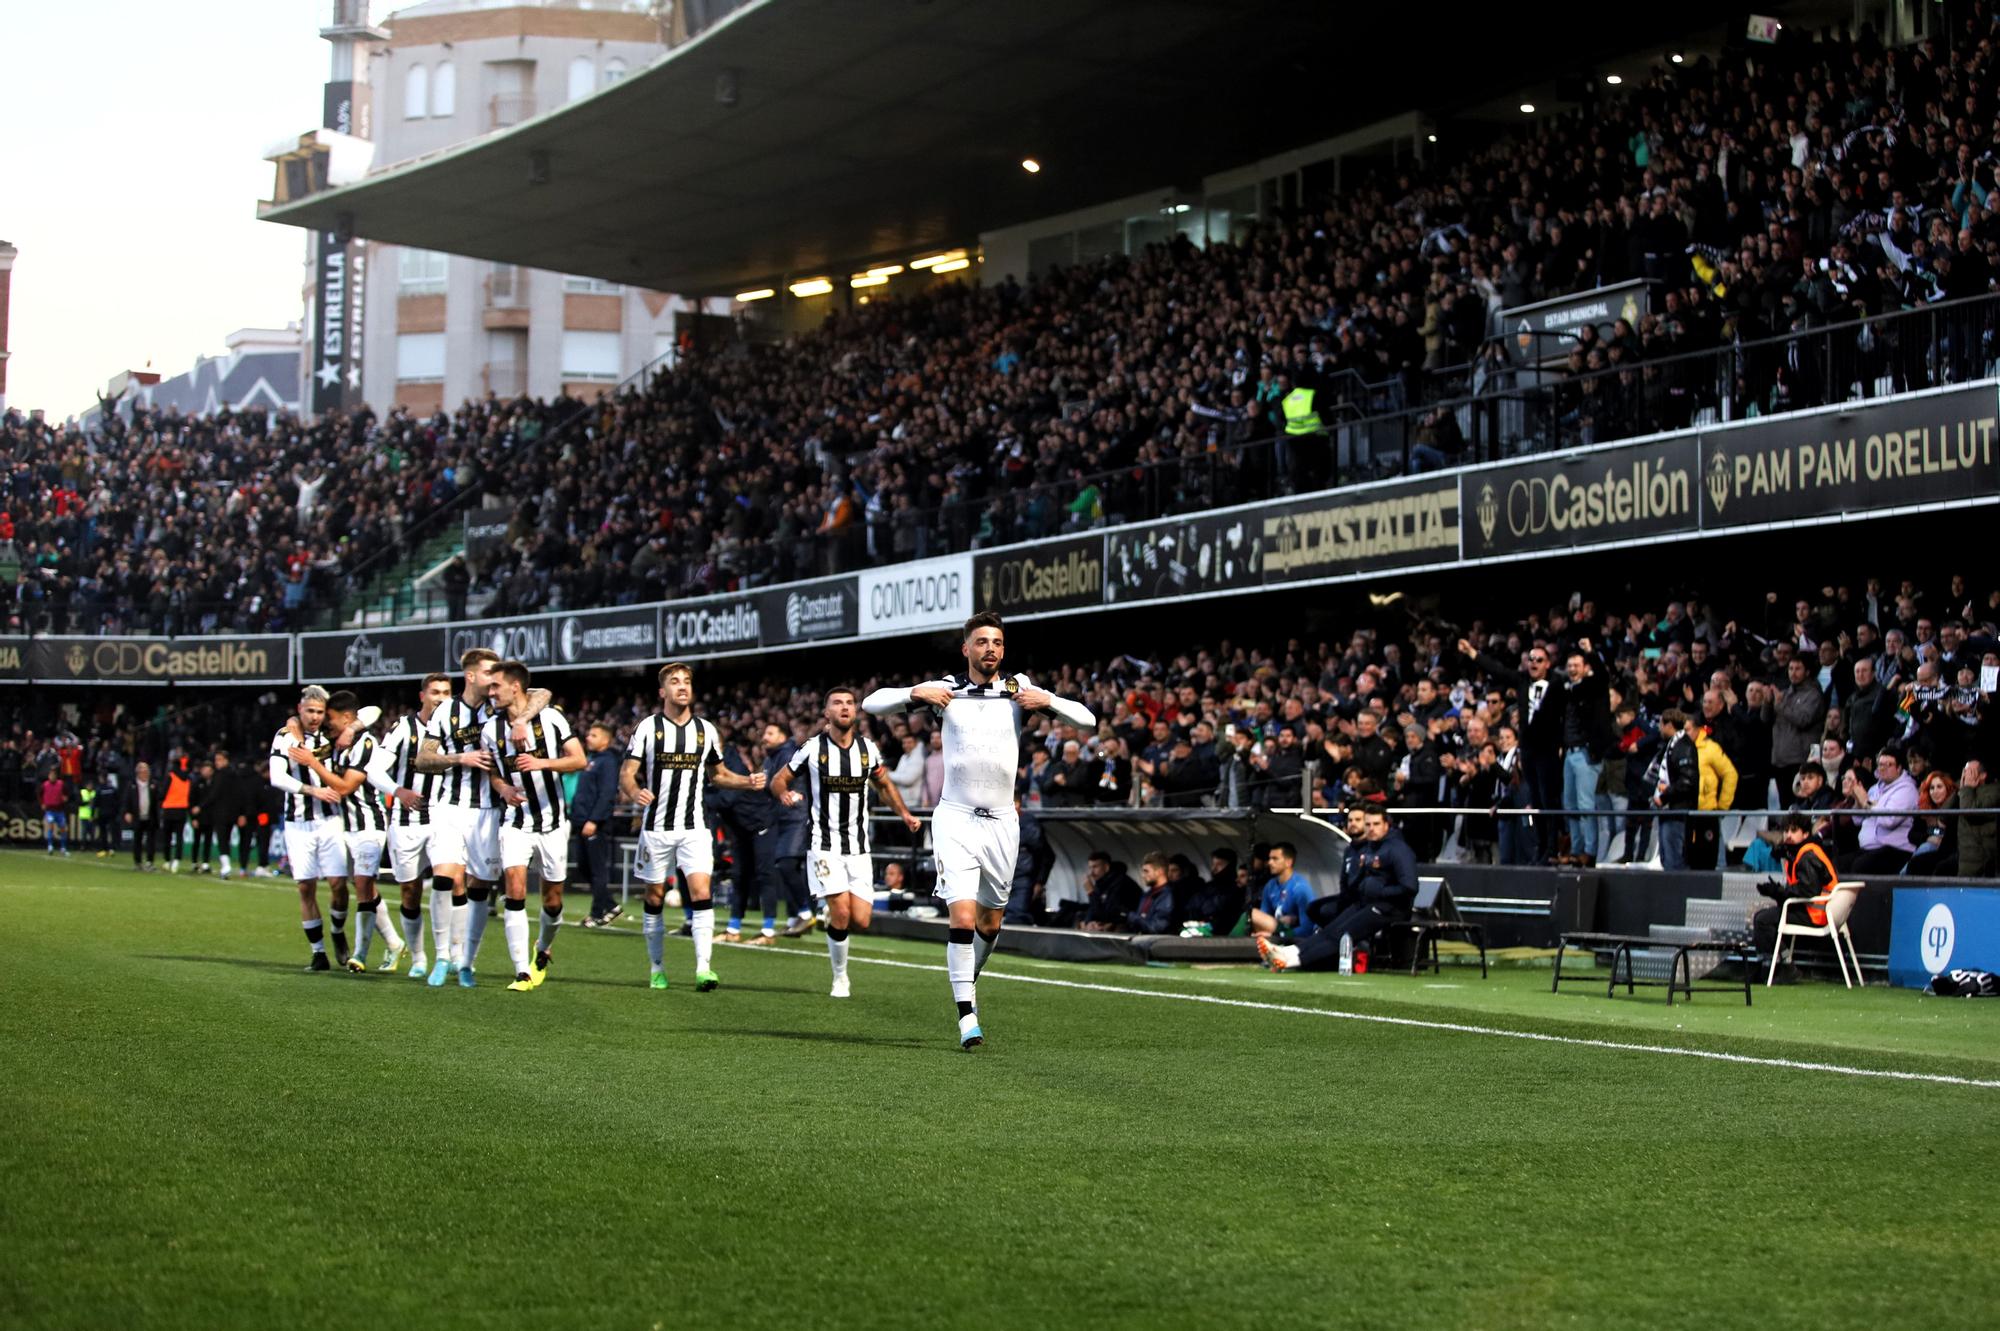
{"points": [[505, 378], [507, 109]]}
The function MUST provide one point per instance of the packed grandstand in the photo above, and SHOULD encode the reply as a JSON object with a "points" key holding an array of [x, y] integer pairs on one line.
{"points": [[1809, 195]]}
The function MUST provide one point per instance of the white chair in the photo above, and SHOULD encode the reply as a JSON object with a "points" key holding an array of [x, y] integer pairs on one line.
{"points": [[1839, 904]]}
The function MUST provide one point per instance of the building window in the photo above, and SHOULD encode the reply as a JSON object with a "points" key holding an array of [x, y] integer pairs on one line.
{"points": [[420, 358], [416, 92], [582, 77], [592, 356], [420, 272], [614, 70], [591, 286], [444, 90]]}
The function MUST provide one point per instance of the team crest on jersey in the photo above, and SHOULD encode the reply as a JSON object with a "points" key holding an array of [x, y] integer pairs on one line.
{"points": [[1012, 684]]}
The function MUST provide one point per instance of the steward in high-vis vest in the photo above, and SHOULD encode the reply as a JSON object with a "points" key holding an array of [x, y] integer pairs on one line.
{"points": [[1809, 873], [1304, 451]]}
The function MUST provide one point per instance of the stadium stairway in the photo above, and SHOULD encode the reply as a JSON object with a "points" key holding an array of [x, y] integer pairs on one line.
{"points": [[398, 602], [1705, 918]]}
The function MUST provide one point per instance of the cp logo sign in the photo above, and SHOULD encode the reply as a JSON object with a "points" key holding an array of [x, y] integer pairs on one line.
{"points": [[1935, 941]]}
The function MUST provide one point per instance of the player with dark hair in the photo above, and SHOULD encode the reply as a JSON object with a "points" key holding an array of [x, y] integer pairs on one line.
{"points": [[534, 827], [975, 830], [839, 864], [679, 755]]}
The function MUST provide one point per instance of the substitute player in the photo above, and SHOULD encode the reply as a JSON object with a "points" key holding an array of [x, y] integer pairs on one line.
{"points": [[410, 827], [465, 817], [975, 829], [361, 782], [534, 827], [311, 823], [839, 864], [679, 753]]}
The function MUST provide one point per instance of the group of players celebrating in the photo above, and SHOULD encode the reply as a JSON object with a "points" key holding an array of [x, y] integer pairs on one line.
{"points": [[469, 791]]}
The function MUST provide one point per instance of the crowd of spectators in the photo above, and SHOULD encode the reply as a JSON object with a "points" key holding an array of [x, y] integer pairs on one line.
{"points": [[1767, 191], [154, 522], [1842, 697]]}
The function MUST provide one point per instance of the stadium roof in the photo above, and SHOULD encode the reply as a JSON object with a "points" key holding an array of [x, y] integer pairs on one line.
{"points": [[873, 130]]}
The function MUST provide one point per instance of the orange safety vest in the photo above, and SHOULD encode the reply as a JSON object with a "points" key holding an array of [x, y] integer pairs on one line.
{"points": [[177, 792], [1816, 908]]}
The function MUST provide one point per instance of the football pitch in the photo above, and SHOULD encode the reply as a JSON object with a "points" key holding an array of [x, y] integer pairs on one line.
{"points": [[201, 1134]]}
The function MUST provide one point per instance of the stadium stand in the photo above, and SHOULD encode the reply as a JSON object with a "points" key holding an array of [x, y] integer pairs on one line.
{"points": [[1400, 718], [1817, 221]]}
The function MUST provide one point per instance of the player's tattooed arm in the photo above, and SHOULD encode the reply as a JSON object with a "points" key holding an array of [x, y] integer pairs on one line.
{"points": [[432, 759], [535, 700]]}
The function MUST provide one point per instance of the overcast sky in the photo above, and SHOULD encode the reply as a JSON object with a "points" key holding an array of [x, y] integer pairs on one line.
{"points": [[130, 171]]}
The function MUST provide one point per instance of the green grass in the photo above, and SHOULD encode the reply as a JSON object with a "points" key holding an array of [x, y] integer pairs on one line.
{"points": [[200, 1134]]}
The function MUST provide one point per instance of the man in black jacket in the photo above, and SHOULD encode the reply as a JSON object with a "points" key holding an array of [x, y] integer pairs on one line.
{"points": [[590, 814], [1113, 895], [1540, 729], [1676, 785], [1868, 710], [1384, 886], [220, 806], [1587, 736]]}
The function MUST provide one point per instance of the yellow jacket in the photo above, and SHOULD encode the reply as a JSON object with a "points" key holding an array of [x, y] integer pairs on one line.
{"points": [[1718, 774]]}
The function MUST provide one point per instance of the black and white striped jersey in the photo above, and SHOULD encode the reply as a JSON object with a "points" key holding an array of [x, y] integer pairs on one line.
{"points": [[544, 809], [461, 729], [401, 745], [301, 807], [674, 763], [839, 793], [362, 810]]}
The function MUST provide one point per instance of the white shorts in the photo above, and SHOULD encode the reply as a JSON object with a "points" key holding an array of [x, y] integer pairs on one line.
{"points": [[470, 837], [829, 873], [364, 852], [661, 853], [548, 851], [409, 851], [975, 855], [315, 849]]}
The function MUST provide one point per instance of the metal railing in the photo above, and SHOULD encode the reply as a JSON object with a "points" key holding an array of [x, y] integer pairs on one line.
{"points": [[1511, 410], [509, 108]]}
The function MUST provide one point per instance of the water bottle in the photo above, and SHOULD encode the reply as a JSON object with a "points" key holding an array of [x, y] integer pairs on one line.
{"points": [[1347, 954]]}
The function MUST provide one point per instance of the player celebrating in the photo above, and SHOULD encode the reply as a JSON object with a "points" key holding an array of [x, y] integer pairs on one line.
{"points": [[680, 754], [410, 826], [975, 829], [838, 863], [465, 818], [358, 779], [535, 824], [311, 823]]}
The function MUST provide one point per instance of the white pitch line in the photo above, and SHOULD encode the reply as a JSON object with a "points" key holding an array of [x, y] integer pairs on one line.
{"points": [[1459, 1028]]}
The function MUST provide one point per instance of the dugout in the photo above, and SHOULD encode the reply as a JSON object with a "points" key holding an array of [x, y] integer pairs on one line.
{"points": [[1128, 836]]}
